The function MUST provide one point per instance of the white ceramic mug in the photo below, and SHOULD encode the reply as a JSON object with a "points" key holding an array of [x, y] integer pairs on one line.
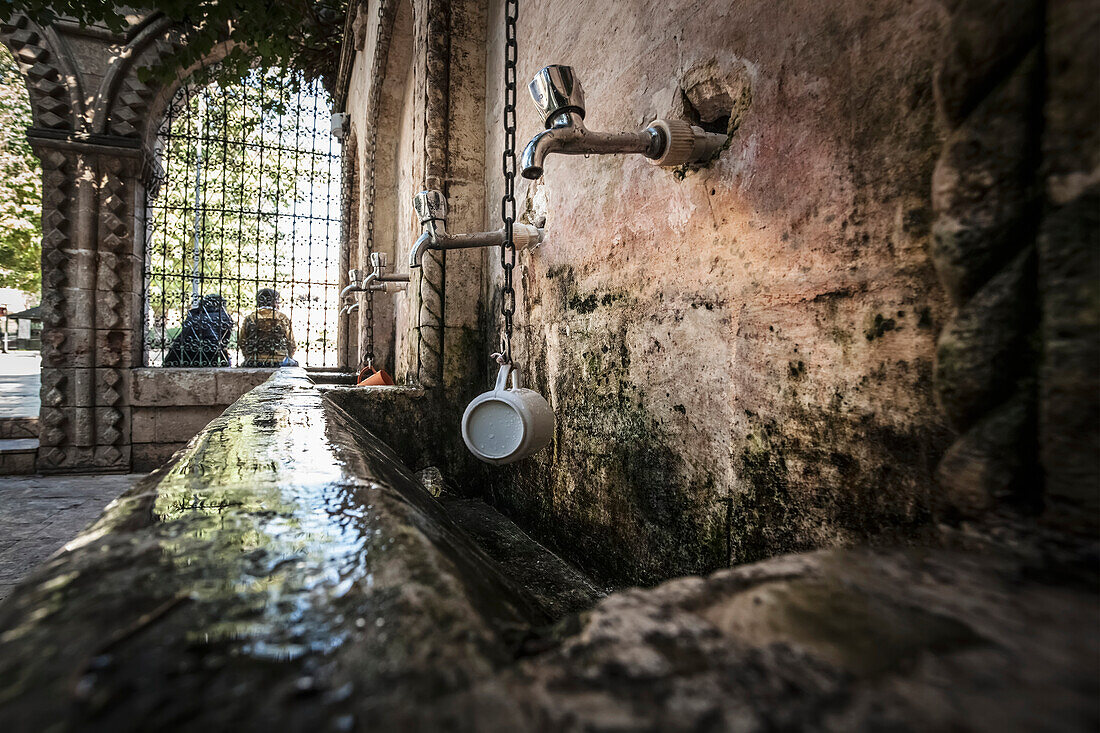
{"points": [[508, 423]]}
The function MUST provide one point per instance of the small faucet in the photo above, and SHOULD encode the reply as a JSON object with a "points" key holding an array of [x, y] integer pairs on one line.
{"points": [[557, 93], [376, 281], [380, 281], [355, 282], [431, 208]]}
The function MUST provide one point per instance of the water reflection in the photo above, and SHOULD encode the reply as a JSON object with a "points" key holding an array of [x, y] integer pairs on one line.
{"points": [[278, 546]]}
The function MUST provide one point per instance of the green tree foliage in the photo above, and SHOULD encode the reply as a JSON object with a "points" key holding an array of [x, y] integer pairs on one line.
{"points": [[298, 34], [21, 194]]}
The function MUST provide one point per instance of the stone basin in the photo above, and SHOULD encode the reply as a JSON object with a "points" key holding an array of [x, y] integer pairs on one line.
{"points": [[286, 555], [288, 572]]}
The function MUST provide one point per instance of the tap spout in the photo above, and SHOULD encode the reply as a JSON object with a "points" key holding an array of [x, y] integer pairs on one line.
{"points": [[355, 283], [423, 242], [568, 135]]}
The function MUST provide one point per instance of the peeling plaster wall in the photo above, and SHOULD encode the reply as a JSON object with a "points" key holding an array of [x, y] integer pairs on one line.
{"points": [[739, 357]]}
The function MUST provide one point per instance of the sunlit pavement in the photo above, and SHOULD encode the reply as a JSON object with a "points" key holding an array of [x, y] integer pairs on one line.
{"points": [[39, 514], [19, 383]]}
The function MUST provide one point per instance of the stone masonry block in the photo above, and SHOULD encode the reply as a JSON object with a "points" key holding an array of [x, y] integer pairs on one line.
{"points": [[116, 310], [115, 271], [143, 424], [81, 268], [232, 383], [111, 457], [183, 423], [112, 426], [67, 347], [113, 348], [17, 464], [67, 387], [65, 460], [81, 421], [112, 387], [68, 308], [151, 456], [170, 387]]}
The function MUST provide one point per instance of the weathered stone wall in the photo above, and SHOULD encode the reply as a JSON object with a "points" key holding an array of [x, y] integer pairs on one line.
{"points": [[1069, 266], [739, 357], [829, 334], [430, 134]]}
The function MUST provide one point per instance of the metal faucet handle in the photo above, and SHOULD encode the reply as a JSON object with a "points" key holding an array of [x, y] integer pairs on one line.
{"points": [[555, 90], [355, 277], [379, 261], [430, 205]]}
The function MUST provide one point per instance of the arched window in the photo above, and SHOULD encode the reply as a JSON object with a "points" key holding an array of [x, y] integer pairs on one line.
{"points": [[242, 227]]}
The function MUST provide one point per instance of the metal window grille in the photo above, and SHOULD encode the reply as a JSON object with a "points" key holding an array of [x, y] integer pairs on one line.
{"points": [[246, 201]]}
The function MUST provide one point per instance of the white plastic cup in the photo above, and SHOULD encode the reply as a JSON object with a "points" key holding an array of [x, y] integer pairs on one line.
{"points": [[508, 423]]}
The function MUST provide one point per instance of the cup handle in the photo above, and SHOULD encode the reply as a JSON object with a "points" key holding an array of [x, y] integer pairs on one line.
{"points": [[502, 377]]}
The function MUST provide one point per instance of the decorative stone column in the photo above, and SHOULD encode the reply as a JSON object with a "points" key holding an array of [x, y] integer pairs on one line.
{"points": [[90, 110], [988, 88]]}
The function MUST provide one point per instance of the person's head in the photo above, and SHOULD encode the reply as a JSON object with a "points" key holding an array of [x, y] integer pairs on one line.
{"points": [[212, 303], [267, 298]]}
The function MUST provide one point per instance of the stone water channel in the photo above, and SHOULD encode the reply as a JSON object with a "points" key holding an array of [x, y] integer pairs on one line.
{"points": [[287, 571]]}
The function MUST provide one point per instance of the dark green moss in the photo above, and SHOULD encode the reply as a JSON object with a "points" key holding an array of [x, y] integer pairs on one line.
{"points": [[880, 326], [615, 494]]}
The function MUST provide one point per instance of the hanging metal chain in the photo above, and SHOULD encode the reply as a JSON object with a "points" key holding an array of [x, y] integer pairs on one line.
{"points": [[367, 357], [508, 201]]}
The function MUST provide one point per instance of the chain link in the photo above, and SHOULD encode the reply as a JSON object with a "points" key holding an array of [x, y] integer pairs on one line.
{"points": [[508, 164]]}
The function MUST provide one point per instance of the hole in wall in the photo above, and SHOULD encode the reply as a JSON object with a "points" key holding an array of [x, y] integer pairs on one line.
{"points": [[714, 96], [713, 122]]}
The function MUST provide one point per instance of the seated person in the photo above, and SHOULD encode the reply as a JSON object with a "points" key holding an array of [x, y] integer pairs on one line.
{"points": [[204, 338], [265, 339]]}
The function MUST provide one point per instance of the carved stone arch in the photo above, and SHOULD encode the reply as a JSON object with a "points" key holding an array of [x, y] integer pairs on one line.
{"points": [[52, 82], [121, 104]]}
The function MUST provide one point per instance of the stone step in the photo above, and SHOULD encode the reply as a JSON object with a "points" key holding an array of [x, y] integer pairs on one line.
{"points": [[17, 456]]}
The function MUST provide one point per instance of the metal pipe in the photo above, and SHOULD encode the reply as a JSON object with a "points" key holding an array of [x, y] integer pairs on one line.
{"points": [[558, 94], [423, 242], [568, 136], [431, 206]]}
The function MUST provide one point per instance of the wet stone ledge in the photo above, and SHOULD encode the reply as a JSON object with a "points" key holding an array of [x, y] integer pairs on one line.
{"points": [[286, 572], [289, 573]]}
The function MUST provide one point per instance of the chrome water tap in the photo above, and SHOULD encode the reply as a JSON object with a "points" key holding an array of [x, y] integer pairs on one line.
{"points": [[559, 97], [431, 208], [379, 280], [355, 283]]}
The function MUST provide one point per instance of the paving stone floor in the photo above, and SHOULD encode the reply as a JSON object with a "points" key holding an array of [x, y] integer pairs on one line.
{"points": [[39, 514]]}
